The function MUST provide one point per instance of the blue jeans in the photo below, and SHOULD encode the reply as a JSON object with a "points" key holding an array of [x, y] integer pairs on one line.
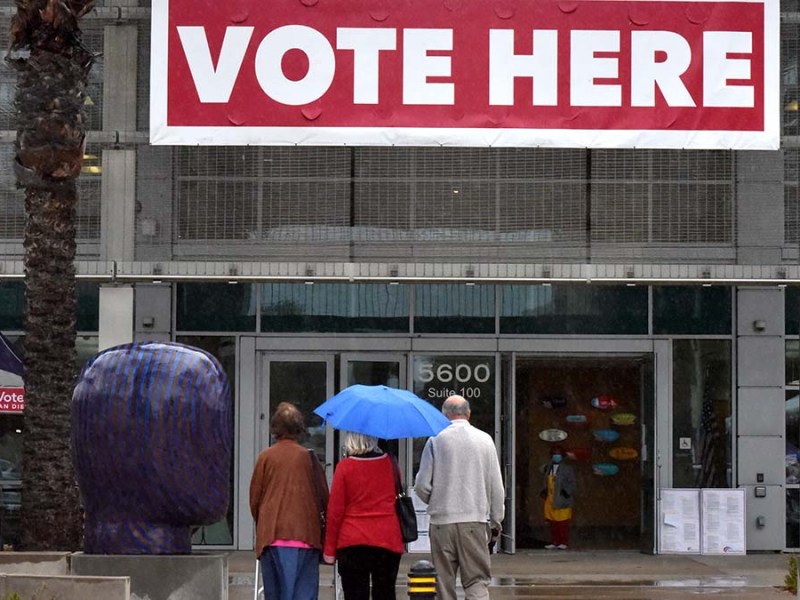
{"points": [[290, 573]]}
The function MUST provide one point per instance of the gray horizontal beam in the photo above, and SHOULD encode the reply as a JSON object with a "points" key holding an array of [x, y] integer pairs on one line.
{"points": [[238, 271], [107, 13], [109, 138]]}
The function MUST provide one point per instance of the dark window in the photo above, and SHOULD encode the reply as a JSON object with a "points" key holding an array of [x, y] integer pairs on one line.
{"points": [[12, 306], [87, 316], [792, 310], [334, 307], [692, 310], [454, 308], [215, 307], [574, 309]]}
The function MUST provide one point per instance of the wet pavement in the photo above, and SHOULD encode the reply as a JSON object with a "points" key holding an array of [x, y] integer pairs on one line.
{"points": [[591, 575]]}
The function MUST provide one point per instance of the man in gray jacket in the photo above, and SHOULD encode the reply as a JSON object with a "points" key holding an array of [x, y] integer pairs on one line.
{"points": [[459, 479]]}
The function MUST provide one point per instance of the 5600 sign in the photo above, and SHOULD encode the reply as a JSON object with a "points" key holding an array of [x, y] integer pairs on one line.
{"points": [[436, 378]]}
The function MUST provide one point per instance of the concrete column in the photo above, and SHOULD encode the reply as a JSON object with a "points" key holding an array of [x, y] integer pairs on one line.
{"points": [[760, 348], [118, 210], [116, 315], [120, 58], [153, 312], [759, 207], [118, 192]]}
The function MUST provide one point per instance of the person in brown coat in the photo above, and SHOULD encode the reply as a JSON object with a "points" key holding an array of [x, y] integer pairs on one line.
{"points": [[284, 504]]}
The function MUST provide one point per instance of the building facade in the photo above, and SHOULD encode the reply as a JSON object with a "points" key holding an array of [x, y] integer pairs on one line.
{"points": [[646, 303]]}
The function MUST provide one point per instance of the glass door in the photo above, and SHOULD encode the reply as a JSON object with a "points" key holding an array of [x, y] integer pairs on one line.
{"points": [[437, 376], [592, 406], [648, 454], [509, 391], [306, 381], [377, 369], [373, 369]]}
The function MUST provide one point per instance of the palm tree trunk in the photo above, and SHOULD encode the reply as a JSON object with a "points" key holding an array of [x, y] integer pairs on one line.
{"points": [[53, 70]]}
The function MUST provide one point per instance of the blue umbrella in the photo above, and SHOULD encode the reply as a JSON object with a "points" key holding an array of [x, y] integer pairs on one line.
{"points": [[382, 412]]}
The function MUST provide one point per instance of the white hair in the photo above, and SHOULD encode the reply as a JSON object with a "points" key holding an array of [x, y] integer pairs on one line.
{"points": [[355, 443], [456, 406]]}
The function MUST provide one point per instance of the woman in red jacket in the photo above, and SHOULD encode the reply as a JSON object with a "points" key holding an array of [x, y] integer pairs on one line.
{"points": [[363, 531]]}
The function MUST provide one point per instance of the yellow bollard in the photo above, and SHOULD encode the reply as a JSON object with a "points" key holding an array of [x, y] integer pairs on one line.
{"points": [[422, 581]]}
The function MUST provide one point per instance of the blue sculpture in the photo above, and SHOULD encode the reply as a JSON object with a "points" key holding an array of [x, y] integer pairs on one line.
{"points": [[152, 436]]}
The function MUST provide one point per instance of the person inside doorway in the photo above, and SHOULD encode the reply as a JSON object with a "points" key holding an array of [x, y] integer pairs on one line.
{"points": [[558, 494]]}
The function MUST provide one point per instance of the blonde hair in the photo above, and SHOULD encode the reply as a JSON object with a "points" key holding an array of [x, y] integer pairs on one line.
{"points": [[358, 443]]}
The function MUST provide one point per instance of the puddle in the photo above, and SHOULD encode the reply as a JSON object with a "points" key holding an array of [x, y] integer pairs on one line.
{"points": [[701, 583]]}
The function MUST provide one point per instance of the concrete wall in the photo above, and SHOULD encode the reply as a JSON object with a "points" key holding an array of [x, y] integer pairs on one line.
{"points": [[760, 351], [196, 576], [63, 587], [34, 563]]}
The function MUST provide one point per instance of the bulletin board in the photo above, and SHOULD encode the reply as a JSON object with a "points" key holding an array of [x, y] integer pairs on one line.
{"points": [[702, 521], [679, 522], [723, 519]]}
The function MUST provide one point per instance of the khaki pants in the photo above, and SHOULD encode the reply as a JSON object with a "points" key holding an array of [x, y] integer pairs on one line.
{"points": [[461, 547]]}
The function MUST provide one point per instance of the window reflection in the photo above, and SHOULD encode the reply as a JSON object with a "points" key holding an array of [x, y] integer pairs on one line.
{"points": [[793, 518], [332, 307], [454, 308], [574, 309], [793, 362], [692, 310], [792, 409], [12, 305], [701, 413], [436, 377], [198, 307]]}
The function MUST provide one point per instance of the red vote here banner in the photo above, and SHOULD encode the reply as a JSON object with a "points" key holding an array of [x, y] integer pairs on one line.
{"points": [[586, 73]]}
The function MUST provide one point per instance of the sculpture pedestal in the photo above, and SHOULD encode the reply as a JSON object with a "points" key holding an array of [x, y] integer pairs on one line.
{"points": [[161, 577]]}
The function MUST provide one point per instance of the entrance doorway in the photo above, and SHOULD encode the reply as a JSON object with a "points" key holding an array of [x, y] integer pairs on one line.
{"points": [[507, 384], [599, 409], [308, 379]]}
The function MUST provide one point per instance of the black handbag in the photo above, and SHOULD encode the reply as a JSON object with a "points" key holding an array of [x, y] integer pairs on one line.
{"points": [[404, 505]]}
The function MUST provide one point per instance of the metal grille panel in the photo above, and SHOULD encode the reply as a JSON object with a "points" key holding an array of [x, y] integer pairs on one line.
{"points": [[424, 196], [662, 197], [686, 214], [413, 203], [790, 77], [619, 212], [143, 77], [791, 197], [12, 202], [405, 199]]}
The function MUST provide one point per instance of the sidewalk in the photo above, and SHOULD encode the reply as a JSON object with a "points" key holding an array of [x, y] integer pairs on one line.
{"points": [[542, 574]]}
